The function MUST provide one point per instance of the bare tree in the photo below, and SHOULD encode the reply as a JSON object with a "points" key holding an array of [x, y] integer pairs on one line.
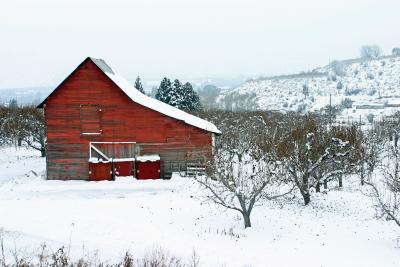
{"points": [[396, 51], [23, 126], [371, 51], [311, 155], [371, 153], [241, 173], [338, 67], [385, 189]]}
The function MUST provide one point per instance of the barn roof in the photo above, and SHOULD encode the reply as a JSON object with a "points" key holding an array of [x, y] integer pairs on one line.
{"points": [[149, 102]]}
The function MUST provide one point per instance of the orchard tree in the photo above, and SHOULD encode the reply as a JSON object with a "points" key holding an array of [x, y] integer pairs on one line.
{"points": [[242, 173], [385, 189], [23, 126], [309, 154], [138, 85]]}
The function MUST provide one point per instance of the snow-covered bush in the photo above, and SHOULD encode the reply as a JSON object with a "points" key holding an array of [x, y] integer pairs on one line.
{"points": [[353, 91], [347, 103]]}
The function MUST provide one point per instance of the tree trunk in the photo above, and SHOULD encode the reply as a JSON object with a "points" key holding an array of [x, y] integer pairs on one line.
{"points": [[326, 184], [340, 181], [43, 152], [19, 141], [362, 178], [246, 219], [307, 198], [305, 190], [318, 187]]}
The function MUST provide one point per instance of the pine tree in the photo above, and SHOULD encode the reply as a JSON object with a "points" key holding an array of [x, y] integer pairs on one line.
{"points": [[163, 90], [178, 95], [191, 100], [175, 95], [138, 85]]}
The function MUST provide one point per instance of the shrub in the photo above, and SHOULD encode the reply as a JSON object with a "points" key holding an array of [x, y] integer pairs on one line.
{"points": [[372, 92], [347, 103], [354, 91], [370, 117]]}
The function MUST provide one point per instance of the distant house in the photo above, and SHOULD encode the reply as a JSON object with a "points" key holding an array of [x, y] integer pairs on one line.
{"points": [[98, 124]]}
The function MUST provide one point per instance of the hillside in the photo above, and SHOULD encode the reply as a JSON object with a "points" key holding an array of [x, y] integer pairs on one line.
{"points": [[363, 81]]}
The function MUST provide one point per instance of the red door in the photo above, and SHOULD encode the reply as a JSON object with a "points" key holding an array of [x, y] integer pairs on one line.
{"points": [[148, 170], [100, 171], [124, 168]]}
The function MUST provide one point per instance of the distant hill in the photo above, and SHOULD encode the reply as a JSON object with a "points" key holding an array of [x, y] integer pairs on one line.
{"points": [[24, 96], [360, 80]]}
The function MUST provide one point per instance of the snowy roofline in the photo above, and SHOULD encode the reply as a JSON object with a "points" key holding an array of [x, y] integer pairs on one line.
{"points": [[147, 101]]}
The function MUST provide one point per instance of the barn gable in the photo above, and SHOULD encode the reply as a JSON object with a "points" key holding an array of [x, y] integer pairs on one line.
{"points": [[142, 99]]}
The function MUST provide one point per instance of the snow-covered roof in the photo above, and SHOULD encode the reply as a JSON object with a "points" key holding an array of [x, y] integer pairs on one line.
{"points": [[145, 158], [152, 103]]}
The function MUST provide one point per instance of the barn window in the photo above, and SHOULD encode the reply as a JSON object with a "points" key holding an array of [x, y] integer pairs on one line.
{"points": [[90, 119]]}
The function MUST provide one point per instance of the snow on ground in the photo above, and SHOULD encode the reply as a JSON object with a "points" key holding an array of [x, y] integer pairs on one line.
{"points": [[338, 229]]}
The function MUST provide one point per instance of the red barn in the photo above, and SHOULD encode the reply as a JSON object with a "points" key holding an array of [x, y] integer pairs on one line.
{"points": [[97, 125]]}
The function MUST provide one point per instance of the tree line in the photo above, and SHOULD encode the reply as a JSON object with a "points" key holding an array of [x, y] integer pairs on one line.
{"points": [[176, 94], [22, 126]]}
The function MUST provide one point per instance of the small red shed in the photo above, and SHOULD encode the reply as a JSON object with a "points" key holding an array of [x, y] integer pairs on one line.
{"points": [[100, 171], [148, 167], [124, 168]]}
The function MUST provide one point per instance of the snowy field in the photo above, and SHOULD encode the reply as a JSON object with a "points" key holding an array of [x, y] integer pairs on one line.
{"points": [[337, 229]]}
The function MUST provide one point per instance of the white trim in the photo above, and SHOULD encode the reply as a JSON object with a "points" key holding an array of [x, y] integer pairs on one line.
{"points": [[90, 133], [113, 143], [98, 151]]}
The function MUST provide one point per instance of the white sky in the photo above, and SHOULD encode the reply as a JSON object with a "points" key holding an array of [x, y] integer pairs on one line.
{"points": [[41, 42]]}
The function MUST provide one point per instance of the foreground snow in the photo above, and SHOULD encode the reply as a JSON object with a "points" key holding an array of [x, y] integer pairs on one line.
{"points": [[338, 229]]}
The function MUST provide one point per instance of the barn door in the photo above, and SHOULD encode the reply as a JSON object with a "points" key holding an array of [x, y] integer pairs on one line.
{"points": [[120, 156], [90, 119]]}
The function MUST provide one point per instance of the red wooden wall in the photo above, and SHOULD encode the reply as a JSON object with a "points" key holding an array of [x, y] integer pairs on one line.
{"points": [[121, 119]]}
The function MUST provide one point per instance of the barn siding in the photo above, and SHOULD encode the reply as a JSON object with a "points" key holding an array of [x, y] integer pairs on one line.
{"points": [[121, 120]]}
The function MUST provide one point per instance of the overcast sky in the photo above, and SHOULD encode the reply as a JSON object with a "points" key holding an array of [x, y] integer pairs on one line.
{"points": [[41, 42]]}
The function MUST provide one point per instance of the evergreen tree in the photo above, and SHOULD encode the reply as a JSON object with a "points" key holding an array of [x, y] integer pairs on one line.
{"points": [[163, 90], [191, 100], [138, 85], [178, 95], [175, 95]]}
